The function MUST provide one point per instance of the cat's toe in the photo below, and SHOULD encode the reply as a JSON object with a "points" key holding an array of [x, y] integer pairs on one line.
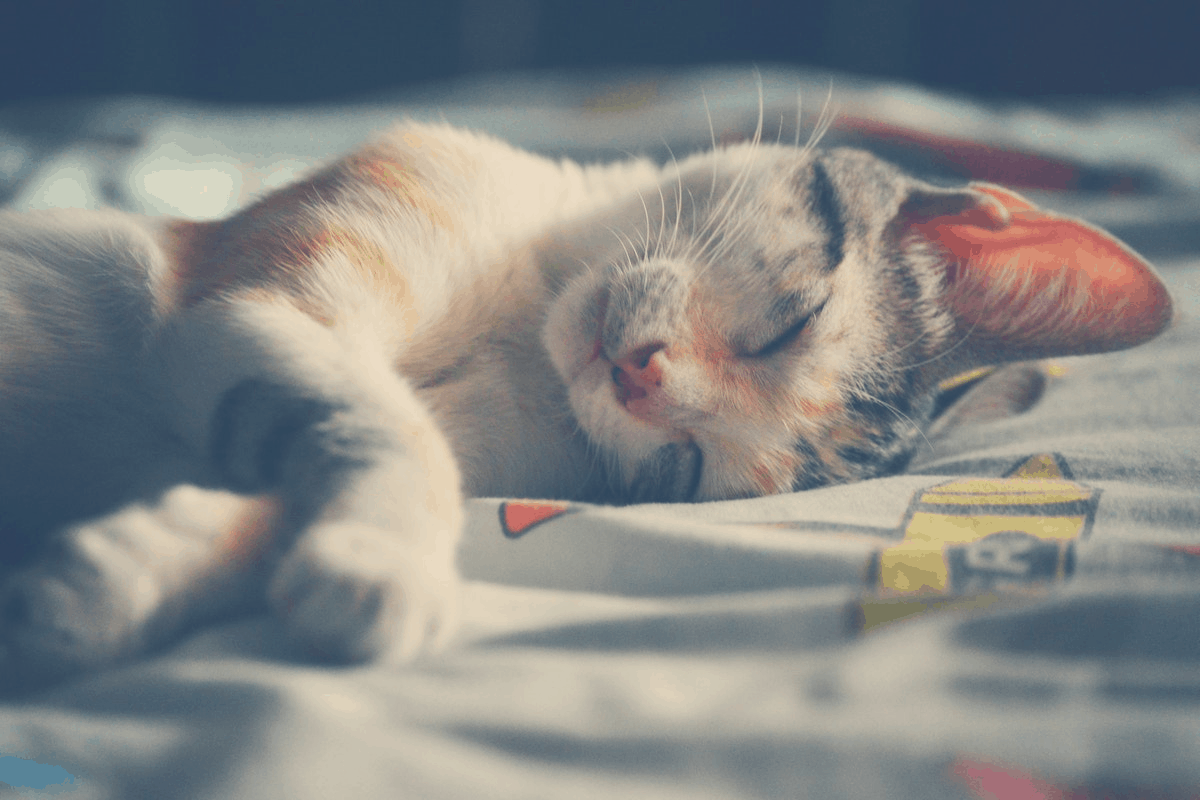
{"points": [[354, 593]]}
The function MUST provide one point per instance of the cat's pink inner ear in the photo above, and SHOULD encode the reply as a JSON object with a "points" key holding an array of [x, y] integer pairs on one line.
{"points": [[1027, 283]]}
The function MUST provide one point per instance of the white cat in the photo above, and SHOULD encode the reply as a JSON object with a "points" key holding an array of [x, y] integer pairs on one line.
{"points": [[288, 406]]}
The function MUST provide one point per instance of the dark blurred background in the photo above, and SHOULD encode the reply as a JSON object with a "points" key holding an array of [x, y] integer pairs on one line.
{"points": [[312, 50]]}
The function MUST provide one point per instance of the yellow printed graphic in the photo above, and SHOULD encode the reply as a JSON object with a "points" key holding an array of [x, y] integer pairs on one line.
{"points": [[1041, 466], [874, 613], [1055, 369], [919, 562], [978, 535], [1007, 491]]}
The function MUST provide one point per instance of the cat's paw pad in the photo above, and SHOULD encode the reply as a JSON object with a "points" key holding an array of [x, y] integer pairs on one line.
{"points": [[353, 593]]}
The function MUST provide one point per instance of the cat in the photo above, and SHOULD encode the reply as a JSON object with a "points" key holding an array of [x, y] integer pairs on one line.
{"points": [[285, 409]]}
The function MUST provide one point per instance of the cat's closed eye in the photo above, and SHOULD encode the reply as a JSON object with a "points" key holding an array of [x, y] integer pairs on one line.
{"points": [[789, 335]]}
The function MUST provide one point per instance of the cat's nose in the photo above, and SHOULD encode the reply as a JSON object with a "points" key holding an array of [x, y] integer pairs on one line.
{"points": [[639, 373]]}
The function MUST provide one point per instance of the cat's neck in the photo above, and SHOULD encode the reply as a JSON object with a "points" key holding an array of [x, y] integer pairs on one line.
{"points": [[509, 423], [484, 373]]}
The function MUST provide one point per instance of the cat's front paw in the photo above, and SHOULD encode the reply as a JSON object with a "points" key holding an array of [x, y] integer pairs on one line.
{"points": [[348, 592], [79, 608]]}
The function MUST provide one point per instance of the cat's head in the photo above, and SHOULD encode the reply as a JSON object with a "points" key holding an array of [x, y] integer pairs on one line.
{"points": [[775, 319]]}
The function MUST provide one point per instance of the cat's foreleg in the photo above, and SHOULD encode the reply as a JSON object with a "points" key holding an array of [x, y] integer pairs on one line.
{"points": [[371, 505]]}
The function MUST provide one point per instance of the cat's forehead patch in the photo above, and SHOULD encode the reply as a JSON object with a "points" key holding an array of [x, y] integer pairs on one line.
{"points": [[799, 233]]}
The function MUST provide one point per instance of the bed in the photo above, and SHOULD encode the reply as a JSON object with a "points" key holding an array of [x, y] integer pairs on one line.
{"points": [[767, 648]]}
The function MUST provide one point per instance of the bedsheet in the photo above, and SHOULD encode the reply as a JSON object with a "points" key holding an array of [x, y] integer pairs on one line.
{"points": [[1017, 616]]}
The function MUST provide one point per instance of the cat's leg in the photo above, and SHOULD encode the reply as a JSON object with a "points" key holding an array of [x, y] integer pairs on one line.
{"points": [[369, 491], [1008, 391], [115, 587]]}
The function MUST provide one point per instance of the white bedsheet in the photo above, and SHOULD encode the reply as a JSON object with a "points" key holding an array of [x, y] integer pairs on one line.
{"points": [[748, 649]]}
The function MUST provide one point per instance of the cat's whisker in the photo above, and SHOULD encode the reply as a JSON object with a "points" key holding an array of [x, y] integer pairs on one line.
{"points": [[678, 201], [825, 121], [669, 249], [646, 240], [621, 239], [712, 135], [587, 267], [719, 213], [945, 353], [662, 222], [892, 354], [799, 118], [678, 216], [718, 218], [759, 83], [725, 235], [903, 418]]}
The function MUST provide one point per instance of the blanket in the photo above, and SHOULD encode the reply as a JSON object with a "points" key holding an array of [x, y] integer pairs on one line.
{"points": [[1016, 616]]}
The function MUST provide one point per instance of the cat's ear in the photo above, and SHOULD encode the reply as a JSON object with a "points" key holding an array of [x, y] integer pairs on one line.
{"points": [[1026, 283]]}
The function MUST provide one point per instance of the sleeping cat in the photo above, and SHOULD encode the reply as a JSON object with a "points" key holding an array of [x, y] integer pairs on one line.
{"points": [[287, 407]]}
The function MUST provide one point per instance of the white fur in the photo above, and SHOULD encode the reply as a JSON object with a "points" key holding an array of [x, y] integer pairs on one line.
{"points": [[460, 339]]}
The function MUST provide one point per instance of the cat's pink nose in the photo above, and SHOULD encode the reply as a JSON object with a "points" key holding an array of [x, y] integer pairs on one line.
{"points": [[638, 374]]}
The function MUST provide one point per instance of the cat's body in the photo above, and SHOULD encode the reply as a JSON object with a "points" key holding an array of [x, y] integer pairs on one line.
{"points": [[440, 315]]}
